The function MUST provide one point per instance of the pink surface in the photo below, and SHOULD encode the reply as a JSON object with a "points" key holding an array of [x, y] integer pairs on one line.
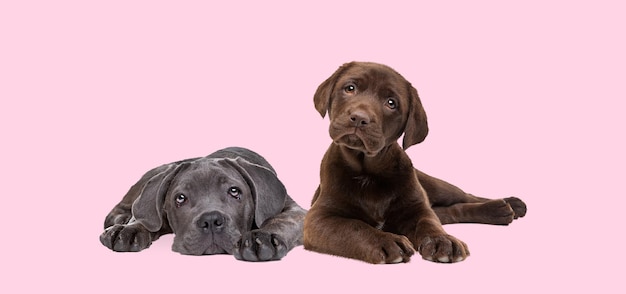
{"points": [[524, 99]]}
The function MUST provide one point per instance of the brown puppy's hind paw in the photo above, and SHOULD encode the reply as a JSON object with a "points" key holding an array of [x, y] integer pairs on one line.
{"points": [[497, 212], [518, 206]]}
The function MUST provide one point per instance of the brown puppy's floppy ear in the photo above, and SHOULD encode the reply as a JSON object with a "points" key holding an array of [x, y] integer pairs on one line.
{"points": [[148, 207], [268, 191], [325, 89], [416, 127]]}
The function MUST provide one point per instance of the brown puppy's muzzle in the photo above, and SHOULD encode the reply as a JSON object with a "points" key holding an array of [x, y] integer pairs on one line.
{"points": [[357, 127]]}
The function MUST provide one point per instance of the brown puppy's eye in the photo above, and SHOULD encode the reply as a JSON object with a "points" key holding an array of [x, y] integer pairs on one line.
{"points": [[234, 192], [349, 88], [391, 103], [180, 199]]}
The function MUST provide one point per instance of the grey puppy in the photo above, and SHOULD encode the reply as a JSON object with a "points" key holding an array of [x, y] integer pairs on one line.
{"points": [[229, 202]]}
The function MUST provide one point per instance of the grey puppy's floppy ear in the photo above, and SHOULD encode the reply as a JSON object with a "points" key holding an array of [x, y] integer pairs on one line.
{"points": [[268, 191], [416, 127], [325, 89], [148, 207]]}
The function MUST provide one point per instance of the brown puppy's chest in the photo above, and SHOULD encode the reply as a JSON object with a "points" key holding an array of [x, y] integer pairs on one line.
{"points": [[369, 197], [367, 188]]}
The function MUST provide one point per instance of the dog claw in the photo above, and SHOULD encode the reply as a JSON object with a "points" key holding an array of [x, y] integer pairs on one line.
{"points": [[443, 259]]}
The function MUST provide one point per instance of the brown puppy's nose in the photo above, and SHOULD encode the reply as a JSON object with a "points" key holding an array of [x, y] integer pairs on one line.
{"points": [[211, 222], [359, 118]]}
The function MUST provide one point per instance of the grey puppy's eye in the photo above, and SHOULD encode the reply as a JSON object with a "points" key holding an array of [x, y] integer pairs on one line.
{"points": [[234, 192], [180, 199]]}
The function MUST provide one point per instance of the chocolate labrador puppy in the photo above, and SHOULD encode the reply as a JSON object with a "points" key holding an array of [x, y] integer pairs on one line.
{"points": [[229, 202], [371, 203]]}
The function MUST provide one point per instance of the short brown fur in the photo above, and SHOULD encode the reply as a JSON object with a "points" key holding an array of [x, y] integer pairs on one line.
{"points": [[371, 204]]}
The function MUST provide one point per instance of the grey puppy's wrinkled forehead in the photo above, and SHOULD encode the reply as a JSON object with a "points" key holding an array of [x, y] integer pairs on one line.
{"points": [[208, 173]]}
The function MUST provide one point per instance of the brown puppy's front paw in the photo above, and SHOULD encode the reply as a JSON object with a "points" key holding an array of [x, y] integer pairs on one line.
{"points": [[443, 248], [518, 206], [126, 238], [391, 248], [258, 245]]}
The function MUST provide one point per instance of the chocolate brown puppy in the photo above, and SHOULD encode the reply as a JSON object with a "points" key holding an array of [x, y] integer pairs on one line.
{"points": [[372, 204]]}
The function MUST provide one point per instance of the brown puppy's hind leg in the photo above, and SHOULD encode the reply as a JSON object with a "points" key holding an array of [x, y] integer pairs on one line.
{"points": [[453, 205], [492, 212]]}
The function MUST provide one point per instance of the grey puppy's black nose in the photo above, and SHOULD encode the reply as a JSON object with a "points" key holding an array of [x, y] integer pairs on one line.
{"points": [[359, 118], [211, 222]]}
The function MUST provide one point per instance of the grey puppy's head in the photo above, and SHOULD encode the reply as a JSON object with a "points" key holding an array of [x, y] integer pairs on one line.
{"points": [[208, 203]]}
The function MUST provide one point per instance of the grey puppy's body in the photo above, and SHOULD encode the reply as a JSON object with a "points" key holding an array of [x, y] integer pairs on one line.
{"points": [[229, 202]]}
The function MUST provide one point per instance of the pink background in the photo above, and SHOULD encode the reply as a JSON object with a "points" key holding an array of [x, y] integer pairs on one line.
{"points": [[523, 99]]}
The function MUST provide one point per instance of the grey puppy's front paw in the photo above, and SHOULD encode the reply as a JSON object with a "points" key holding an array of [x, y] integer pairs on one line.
{"points": [[126, 238], [259, 245]]}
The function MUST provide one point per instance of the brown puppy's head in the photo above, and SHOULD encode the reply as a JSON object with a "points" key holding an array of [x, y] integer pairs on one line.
{"points": [[370, 105]]}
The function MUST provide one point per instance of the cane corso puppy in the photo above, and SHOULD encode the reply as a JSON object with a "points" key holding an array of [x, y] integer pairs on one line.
{"points": [[229, 202], [371, 203]]}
